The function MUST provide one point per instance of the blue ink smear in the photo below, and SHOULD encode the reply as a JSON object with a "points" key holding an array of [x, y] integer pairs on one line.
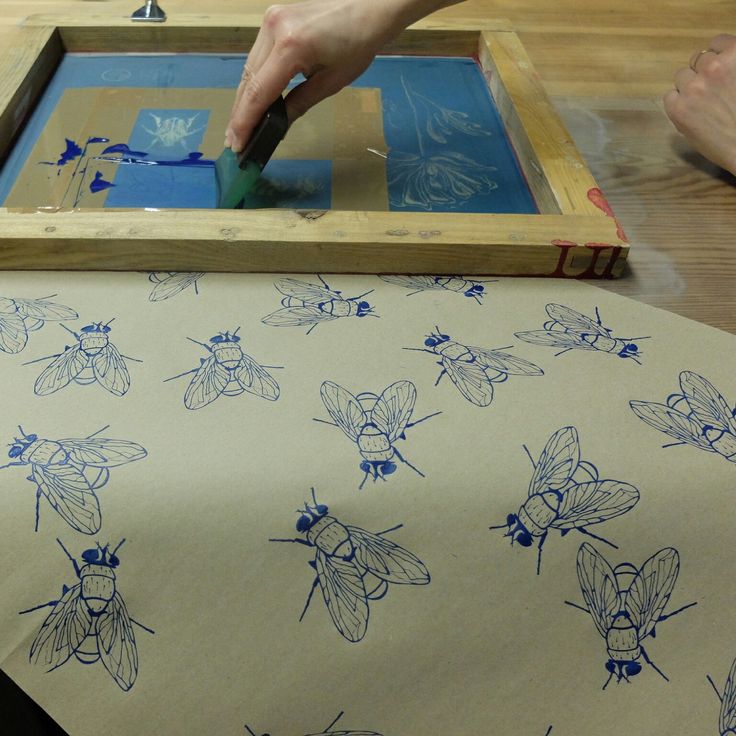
{"points": [[97, 139], [566, 493], [72, 151], [633, 608], [99, 184], [103, 629], [349, 583], [123, 148], [301, 184]]}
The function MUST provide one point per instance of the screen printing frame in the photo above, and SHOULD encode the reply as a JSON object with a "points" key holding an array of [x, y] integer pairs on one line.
{"points": [[574, 235]]}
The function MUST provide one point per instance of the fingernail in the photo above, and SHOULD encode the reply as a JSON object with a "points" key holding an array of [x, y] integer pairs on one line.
{"points": [[228, 139]]}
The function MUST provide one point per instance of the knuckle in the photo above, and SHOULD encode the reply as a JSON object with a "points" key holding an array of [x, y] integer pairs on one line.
{"points": [[274, 15], [254, 91]]}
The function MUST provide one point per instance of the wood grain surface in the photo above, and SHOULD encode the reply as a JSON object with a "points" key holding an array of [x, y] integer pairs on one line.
{"points": [[606, 66]]}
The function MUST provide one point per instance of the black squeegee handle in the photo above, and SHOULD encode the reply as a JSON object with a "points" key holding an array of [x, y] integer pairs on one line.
{"points": [[268, 134]]}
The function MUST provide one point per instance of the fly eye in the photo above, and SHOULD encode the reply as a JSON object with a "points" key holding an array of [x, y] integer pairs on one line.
{"points": [[445, 338], [32, 437], [430, 342], [365, 466], [524, 539], [303, 523], [217, 338], [90, 555], [511, 519], [611, 666], [478, 289], [388, 467], [321, 509], [114, 561], [15, 451], [632, 347], [364, 305], [633, 668], [106, 329], [234, 338], [88, 328]]}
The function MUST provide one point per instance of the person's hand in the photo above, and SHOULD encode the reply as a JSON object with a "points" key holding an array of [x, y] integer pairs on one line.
{"points": [[331, 42], [703, 104]]}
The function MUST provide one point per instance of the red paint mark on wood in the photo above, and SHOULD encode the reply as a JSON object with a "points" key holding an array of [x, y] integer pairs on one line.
{"points": [[597, 197]]}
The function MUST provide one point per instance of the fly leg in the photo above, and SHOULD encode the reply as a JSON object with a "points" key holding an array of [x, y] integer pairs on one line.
{"points": [[542, 540], [713, 685], [419, 421], [579, 607], [339, 716], [562, 352], [186, 373], [77, 571], [665, 616], [50, 604], [392, 529], [145, 628], [315, 583], [295, 541], [583, 530], [654, 666], [406, 462]]}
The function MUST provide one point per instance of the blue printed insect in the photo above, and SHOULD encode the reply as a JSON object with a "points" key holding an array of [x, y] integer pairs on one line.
{"points": [[571, 330], [90, 621], [626, 604], [18, 317], [353, 567], [698, 416], [92, 359], [227, 371], [307, 304], [375, 423], [171, 283], [68, 472], [470, 288], [475, 370], [566, 493], [727, 716], [328, 731]]}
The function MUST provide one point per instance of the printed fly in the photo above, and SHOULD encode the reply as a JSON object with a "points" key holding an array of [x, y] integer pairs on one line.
{"points": [[328, 731], [227, 371], [169, 283], [375, 423], [475, 370], [626, 604], [18, 317], [353, 567], [308, 305], [571, 330], [727, 717], [698, 416], [566, 493], [68, 472], [93, 358], [467, 287], [90, 621]]}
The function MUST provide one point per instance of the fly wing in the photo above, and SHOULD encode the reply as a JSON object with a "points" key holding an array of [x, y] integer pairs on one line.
{"points": [[171, 284], [706, 402], [727, 720], [393, 409], [594, 501], [297, 317], [13, 333], [555, 339], [61, 371], [651, 589], [116, 643], [386, 559], [344, 593], [208, 383], [110, 370], [101, 452], [344, 409], [255, 379], [598, 585], [44, 310], [412, 282], [498, 360], [64, 629], [672, 422], [70, 495], [470, 379], [557, 463], [575, 321], [305, 292]]}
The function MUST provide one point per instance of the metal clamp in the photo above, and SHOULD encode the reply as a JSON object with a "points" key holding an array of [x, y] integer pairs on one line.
{"points": [[150, 12]]}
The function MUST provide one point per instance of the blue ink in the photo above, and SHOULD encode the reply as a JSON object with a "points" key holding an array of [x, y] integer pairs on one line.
{"points": [[375, 423], [467, 287], [566, 493], [698, 416], [171, 283], [18, 317], [71, 152], [353, 567], [328, 731], [90, 621], [626, 605], [69, 471], [92, 359], [571, 330], [99, 184], [306, 304], [727, 715], [125, 149], [98, 139], [475, 370], [227, 371]]}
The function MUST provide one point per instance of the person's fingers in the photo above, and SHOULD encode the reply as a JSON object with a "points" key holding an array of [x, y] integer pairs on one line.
{"points": [[260, 92], [722, 42], [683, 77], [671, 102], [700, 58]]}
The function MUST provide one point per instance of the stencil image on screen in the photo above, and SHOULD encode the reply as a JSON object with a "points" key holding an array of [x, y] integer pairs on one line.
{"points": [[130, 131]]}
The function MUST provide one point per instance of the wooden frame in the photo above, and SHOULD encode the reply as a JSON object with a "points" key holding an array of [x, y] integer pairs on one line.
{"points": [[575, 234]]}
